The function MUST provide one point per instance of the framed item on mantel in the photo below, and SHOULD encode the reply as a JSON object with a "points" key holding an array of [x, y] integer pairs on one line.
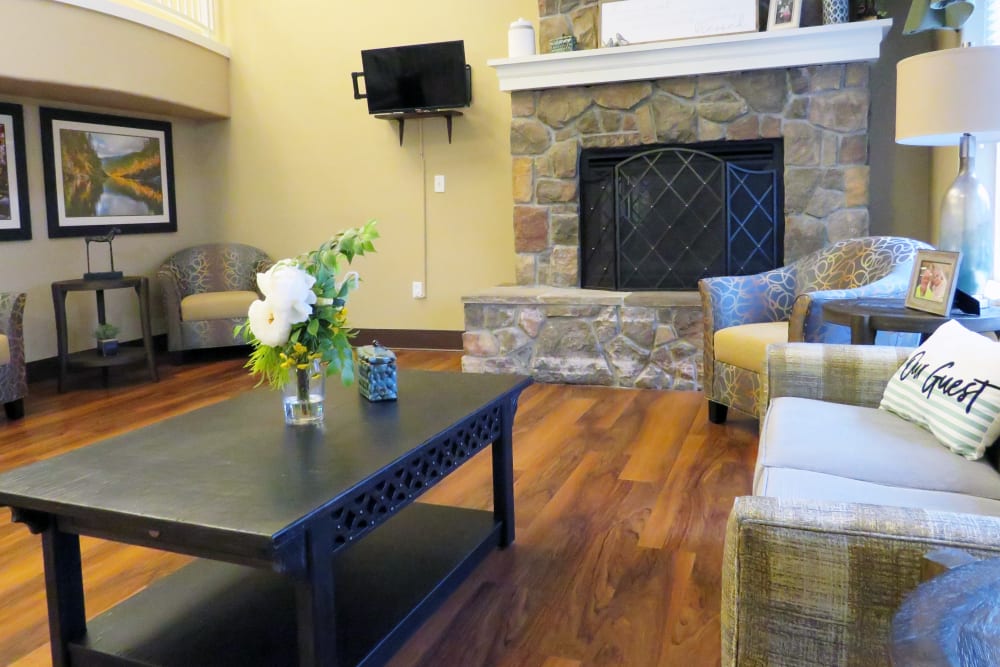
{"points": [[107, 171], [635, 21], [15, 219], [784, 14]]}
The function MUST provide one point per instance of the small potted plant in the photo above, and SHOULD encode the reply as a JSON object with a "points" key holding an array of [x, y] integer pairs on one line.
{"points": [[107, 339], [870, 10]]}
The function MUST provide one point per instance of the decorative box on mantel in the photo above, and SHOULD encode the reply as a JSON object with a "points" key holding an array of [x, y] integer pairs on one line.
{"points": [[377, 373]]}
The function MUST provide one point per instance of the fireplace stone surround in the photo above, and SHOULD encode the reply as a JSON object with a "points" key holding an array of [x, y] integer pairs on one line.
{"points": [[545, 325]]}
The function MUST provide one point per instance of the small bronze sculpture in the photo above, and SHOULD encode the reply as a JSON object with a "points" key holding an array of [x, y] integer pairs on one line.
{"points": [[106, 238]]}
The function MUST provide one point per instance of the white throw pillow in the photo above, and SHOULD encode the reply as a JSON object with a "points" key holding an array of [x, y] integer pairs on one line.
{"points": [[950, 385]]}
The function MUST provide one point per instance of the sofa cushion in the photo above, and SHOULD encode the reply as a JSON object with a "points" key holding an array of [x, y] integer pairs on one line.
{"points": [[950, 385], [808, 485], [745, 346], [217, 305], [4, 350], [868, 445]]}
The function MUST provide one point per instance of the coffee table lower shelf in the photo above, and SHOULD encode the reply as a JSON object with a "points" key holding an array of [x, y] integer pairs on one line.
{"points": [[212, 613]]}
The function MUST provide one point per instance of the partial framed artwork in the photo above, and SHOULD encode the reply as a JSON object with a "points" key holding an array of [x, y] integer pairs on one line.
{"points": [[637, 21], [784, 14], [932, 283], [107, 171], [15, 217]]}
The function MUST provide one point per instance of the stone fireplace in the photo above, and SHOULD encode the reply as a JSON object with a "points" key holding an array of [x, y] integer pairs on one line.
{"points": [[549, 327]]}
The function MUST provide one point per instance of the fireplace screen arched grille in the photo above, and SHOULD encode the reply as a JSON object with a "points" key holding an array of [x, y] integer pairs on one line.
{"points": [[662, 219]]}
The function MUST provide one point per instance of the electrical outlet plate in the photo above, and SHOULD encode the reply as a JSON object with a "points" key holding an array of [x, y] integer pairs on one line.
{"points": [[418, 290]]}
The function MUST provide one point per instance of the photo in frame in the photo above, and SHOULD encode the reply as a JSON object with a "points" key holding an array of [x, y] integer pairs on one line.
{"points": [[15, 217], [933, 281], [784, 14], [106, 171]]}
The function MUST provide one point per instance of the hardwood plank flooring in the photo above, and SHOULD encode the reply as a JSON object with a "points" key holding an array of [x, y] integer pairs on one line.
{"points": [[621, 501]]}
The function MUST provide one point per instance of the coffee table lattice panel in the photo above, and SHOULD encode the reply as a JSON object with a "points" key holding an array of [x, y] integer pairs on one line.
{"points": [[383, 495]]}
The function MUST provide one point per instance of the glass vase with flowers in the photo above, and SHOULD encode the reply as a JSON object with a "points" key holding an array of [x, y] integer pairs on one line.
{"points": [[299, 331]]}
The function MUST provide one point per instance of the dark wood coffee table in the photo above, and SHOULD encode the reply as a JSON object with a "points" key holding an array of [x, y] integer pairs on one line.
{"points": [[866, 317], [313, 553]]}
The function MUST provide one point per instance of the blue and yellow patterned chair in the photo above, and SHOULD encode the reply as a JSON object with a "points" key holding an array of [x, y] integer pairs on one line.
{"points": [[207, 290], [744, 314], [13, 376]]}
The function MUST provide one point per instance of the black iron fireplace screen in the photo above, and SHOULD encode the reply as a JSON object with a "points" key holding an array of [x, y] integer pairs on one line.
{"points": [[662, 218]]}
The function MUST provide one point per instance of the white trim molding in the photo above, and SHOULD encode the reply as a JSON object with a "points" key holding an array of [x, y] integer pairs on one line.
{"points": [[839, 43]]}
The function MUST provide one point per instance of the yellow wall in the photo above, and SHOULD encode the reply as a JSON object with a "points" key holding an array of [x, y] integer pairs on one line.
{"points": [[301, 158]]}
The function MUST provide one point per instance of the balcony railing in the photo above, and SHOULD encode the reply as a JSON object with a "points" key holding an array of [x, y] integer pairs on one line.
{"points": [[194, 20], [200, 14]]}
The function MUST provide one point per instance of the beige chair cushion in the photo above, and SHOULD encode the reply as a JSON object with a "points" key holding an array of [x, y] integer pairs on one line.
{"points": [[866, 445], [4, 350], [745, 346], [216, 305]]}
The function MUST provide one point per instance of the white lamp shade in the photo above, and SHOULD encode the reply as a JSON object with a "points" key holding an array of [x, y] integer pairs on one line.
{"points": [[941, 95]]}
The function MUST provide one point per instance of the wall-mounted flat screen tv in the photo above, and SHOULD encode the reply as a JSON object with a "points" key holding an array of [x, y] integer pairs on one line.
{"points": [[419, 77]]}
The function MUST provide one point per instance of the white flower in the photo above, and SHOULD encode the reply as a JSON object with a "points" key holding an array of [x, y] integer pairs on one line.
{"points": [[270, 326], [288, 289]]}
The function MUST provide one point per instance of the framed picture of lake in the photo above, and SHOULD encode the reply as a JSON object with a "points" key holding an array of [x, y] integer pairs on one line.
{"points": [[106, 171], [15, 220]]}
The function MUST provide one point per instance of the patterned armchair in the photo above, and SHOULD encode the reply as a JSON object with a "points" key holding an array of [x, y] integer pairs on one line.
{"points": [[744, 314], [13, 379], [206, 292]]}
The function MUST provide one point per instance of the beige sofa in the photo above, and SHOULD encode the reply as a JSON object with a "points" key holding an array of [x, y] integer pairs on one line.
{"points": [[847, 500]]}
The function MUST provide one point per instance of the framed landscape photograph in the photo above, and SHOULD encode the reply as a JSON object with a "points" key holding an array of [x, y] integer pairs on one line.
{"points": [[106, 171], [932, 283], [15, 219], [784, 14]]}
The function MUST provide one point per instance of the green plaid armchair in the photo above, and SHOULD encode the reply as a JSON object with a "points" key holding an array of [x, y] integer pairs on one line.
{"points": [[743, 314], [813, 582]]}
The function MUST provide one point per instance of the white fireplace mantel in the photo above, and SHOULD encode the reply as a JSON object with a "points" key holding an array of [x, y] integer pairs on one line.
{"points": [[839, 43]]}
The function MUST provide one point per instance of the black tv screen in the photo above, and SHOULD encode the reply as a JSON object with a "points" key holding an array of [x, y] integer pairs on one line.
{"points": [[417, 77]]}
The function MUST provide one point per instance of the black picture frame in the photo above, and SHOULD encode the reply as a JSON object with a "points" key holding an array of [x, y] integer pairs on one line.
{"points": [[15, 211], [140, 204]]}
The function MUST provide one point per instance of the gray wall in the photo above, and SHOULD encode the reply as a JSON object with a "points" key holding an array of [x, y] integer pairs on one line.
{"points": [[900, 175]]}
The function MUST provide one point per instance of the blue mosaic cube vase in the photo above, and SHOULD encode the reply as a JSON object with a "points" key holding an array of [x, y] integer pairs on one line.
{"points": [[377, 372]]}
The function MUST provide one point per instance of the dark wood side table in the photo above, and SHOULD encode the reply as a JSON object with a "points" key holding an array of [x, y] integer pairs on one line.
{"points": [[90, 358], [866, 317]]}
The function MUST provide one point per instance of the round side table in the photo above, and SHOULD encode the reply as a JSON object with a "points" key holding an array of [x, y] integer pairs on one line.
{"points": [[90, 358], [866, 317], [952, 620]]}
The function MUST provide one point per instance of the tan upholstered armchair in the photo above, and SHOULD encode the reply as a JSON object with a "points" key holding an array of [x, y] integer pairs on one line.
{"points": [[206, 292], [744, 314], [13, 378]]}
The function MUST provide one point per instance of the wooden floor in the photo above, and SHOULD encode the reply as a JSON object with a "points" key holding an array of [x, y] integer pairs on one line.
{"points": [[621, 500]]}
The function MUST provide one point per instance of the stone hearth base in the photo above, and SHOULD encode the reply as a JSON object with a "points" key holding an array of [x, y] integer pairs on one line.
{"points": [[623, 339]]}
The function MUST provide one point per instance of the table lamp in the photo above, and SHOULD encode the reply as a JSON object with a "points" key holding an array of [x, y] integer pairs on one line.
{"points": [[950, 97]]}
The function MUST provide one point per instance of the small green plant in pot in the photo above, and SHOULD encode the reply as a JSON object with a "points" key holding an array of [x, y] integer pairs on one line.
{"points": [[107, 339]]}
